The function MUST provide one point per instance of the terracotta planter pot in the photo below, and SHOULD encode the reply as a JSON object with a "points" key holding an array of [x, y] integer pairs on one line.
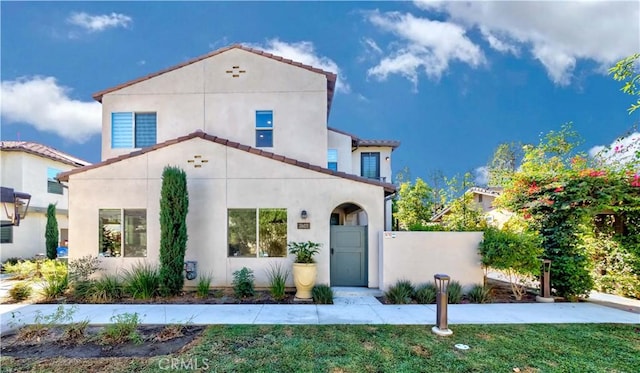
{"points": [[304, 277]]}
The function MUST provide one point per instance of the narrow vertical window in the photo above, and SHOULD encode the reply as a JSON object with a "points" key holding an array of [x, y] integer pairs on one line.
{"points": [[264, 129], [6, 232], [110, 232], [135, 233], [370, 165], [145, 134], [332, 159], [121, 130]]}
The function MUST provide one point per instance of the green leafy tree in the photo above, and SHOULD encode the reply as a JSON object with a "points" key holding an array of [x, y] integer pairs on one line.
{"points": [[464, 215], [51, 232], [414, 204], [559, 193], [626, 70], [174, 206], [503, 164], [514, 253]]}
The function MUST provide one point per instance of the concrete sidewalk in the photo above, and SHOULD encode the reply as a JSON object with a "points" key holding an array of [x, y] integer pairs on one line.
{"points": [[15, 315]]}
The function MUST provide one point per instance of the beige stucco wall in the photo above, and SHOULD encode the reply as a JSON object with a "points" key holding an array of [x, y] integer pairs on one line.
{"points": [[27, 173], [417, 256], [342, 143], [202, 96], [231, 178]]}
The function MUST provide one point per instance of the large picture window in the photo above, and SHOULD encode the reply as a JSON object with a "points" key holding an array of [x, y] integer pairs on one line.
{"points": [[257, 232], [123, 232]]}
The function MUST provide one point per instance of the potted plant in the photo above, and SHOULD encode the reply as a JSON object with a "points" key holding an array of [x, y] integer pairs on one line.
{"points": [[304, 267]]}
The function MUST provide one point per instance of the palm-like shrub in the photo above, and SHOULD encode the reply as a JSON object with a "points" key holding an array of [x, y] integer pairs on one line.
{"points": [[426, 293]]}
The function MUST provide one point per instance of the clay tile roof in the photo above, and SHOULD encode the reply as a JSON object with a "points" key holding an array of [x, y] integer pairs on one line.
{"points": [[331, 77], [42, 151], [361, 142], [388, 188]]}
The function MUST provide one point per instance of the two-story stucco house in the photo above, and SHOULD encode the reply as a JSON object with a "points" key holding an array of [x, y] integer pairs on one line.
{"points": [[31, 168], [263, 169]]}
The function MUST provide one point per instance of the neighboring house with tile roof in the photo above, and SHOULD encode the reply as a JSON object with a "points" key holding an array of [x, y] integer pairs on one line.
{"points": [[31, 168], [263, 169], [483, 198]]}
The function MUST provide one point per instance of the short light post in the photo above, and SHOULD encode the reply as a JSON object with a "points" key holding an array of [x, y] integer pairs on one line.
{"points": [[545, 283], [442, 283]]}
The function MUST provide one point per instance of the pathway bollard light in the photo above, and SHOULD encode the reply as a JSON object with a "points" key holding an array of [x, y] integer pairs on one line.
{"points": [[442, 283], [545, 283]]}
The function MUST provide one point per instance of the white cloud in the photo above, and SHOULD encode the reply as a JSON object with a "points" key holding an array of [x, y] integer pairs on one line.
{"points": [[425, 45], [621, 151], [481, 175], [557, 33], [304, 52], [42, 103], [499, 44], [372, 45], [101, 22]]}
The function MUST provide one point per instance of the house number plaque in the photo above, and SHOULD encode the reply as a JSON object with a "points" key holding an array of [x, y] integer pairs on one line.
{"points": [[304, 225]]}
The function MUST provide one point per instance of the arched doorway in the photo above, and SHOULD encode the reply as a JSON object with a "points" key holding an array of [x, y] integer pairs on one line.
{"points": [[349, 249]]}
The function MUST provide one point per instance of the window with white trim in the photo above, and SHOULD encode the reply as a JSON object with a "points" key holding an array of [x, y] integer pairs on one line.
{"points": [[257, 233], [264, 129], [133, 130], [332, 159], [123, 232]]}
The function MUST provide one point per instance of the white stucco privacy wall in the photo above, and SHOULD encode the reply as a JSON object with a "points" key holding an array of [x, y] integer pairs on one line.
{"points": [[417, 256]]}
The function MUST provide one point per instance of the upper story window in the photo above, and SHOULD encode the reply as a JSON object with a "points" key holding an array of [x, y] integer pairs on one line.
{"points": [[53, 186], [264, 129], [133, 130], [332, 159], [370, 165]]}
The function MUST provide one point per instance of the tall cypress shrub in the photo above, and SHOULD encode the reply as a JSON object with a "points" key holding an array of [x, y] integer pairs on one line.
{"points": [[51, 232], [174, 205]]}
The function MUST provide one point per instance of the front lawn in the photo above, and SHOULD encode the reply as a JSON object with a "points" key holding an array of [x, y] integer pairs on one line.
{"points": [[383, 348]]}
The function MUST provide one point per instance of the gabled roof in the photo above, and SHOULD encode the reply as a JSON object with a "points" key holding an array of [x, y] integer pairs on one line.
{"points": [[474, 190], [388, 188], [356, 141], [331, 77], [42, 151]]}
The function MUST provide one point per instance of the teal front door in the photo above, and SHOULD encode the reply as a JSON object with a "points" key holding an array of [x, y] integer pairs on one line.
{"points": [[348, 255]]}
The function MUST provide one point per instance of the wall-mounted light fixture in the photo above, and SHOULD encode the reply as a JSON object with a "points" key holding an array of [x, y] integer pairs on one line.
{"points": [[303, 214], [20, 202], [387, 158]]}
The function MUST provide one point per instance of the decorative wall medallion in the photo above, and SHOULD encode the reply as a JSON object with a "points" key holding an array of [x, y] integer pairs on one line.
{"points": [[197, 161], [235, 71]]}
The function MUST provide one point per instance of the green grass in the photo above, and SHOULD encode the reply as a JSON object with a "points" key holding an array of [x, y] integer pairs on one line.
{"points": [[408, 348]]}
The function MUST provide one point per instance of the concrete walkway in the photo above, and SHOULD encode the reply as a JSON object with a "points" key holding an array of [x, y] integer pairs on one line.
{"points": [[15, 315]]}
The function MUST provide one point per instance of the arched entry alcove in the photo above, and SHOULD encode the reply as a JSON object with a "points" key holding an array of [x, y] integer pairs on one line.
{"points": [[349, 248]]}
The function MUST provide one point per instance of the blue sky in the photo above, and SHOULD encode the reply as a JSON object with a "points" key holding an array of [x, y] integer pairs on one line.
{"points": [[450, 80]]}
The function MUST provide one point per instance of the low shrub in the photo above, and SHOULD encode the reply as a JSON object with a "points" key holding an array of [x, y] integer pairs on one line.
{"points": [[106, 289], [322, 294], [21, 270], [204, 284], [12, 261], [81, 269], [142, 281], [123, 328], [54, 285], [243, 283], [454, 292], [277, 281], [82, 290], [20, 291], [426, 293], [479, 294], [75, 332], [400, 293]]}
